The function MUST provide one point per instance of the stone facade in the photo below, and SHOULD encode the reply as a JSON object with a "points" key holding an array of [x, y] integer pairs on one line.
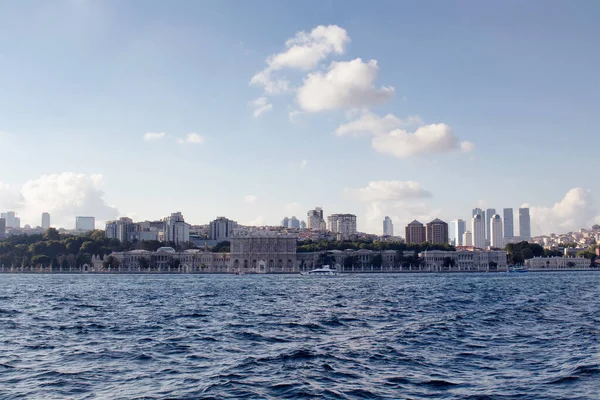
{"points": [[263, 252]]}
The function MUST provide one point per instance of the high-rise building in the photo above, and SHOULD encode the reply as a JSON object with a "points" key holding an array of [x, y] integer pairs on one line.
{"points": [[509, 231], [294, 223], [437, 232], [314, 219], [120, 229], [17, 222], [496, 238], [302, 225], [344, 225], [285, 221], [45, 221], [489, 213], [175, 229], [221, 229], [478, 229], [455, 232], [524, 223], [2, 227], [85, 223], [477, 211], [388, 227], [467, 238], [415, 232], [10, 217]]}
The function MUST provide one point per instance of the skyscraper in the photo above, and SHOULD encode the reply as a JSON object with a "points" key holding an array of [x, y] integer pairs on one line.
{"points": [[294, 223], [524, 223], [478, 229], [388, 227], [489, 213], [437, 232], [342, 224], [314, 219], [285, 222], [509, 231], [496, 238], [415, 232], [455, 232], [45, 221], [2, 227]]}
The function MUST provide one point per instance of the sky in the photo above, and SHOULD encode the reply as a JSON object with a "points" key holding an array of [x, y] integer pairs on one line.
{"points": [[265, 109]]}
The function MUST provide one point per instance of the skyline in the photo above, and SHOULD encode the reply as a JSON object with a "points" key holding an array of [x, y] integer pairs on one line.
{"points": [[110, 110]]}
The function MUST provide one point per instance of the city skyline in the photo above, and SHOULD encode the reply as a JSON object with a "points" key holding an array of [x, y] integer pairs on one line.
{"points": [[248, 129]]}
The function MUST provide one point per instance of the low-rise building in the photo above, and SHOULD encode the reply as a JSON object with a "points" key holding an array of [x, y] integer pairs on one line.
{"points": [[473, 259], [557, 263]]}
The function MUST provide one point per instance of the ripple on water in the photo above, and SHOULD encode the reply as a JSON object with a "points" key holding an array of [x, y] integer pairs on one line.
{"points": [[462, 336]]}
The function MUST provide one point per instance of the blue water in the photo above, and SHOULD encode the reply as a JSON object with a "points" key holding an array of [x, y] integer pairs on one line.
{"points": [[455, 336]]}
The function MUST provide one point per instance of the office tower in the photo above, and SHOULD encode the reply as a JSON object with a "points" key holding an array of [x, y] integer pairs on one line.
{"points": [[342, 224], [497, 237], [467, 238], [302, 225], [524, 223], [455, 232], [2, 227], [285, 221], [436, 232], [121, 229], [17, 222], [478, 229], [489, 213], [221, 229], [9, 217], [388, 227], [415, 232], [45, 221], [477, 211], [509, 231]]}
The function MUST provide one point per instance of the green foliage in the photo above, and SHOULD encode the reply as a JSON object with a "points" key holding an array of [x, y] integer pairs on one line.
{"points": [[519, 252], [310, 246], [326, 258], [377, 261], [51, 234], [222, 247]]}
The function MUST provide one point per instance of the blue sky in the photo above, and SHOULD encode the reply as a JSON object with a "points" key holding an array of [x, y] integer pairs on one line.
{"points": [[82, 82]]}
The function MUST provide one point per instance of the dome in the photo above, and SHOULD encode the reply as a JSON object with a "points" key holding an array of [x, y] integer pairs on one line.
{"points": [[165, 250]]}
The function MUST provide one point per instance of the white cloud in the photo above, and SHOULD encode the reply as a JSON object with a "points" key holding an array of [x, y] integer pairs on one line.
{"points": [[467, 147], [346, 84], [258, 221], [192, 138], [304, 51], [153, 136], [261, 106], [250, 198], [377, 191], [434, 138], [64, 196], [292, 207], [370, 123], [303, 164], [574, 211], [400, 213]]}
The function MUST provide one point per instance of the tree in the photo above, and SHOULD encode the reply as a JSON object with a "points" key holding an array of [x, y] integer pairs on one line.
{"points": [[448, 262], [493, 264], [571, 264], [111, 262], [349, 262], [41, 259], [174, 263], [222, 247], [377, 261], [326, 258], [51, 234], [143, 263]]}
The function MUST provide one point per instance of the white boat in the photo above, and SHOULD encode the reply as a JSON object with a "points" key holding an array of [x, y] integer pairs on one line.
{"points": [[325, 270]]}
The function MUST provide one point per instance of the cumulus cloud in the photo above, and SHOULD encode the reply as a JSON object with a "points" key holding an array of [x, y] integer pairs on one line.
{"points": [[303, 164], [345, 84], [304, 51], [390, 191], [388, 136], [371, 123], [192, 138], [261, 106], [64, 196], [401, 214], [153, 136], [292, 207], [250, 198], [258, 221], [574, 211]]}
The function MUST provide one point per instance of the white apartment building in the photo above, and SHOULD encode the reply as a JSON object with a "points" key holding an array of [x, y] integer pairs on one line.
{"points": [[558, 263], [175, 229], [496, 234], [45, 221], [478, 230], [456, 231], [467, 239], [315, 220], [344, 225]]}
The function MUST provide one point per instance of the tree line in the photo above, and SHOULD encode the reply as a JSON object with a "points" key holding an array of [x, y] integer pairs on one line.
{"points": [[309, 246]]}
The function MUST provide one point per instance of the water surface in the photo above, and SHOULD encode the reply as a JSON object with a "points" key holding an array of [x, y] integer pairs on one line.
{"points": [[454, 336]]}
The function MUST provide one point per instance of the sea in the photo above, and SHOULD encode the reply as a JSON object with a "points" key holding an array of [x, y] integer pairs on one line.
{"points": [[404, 336]]}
